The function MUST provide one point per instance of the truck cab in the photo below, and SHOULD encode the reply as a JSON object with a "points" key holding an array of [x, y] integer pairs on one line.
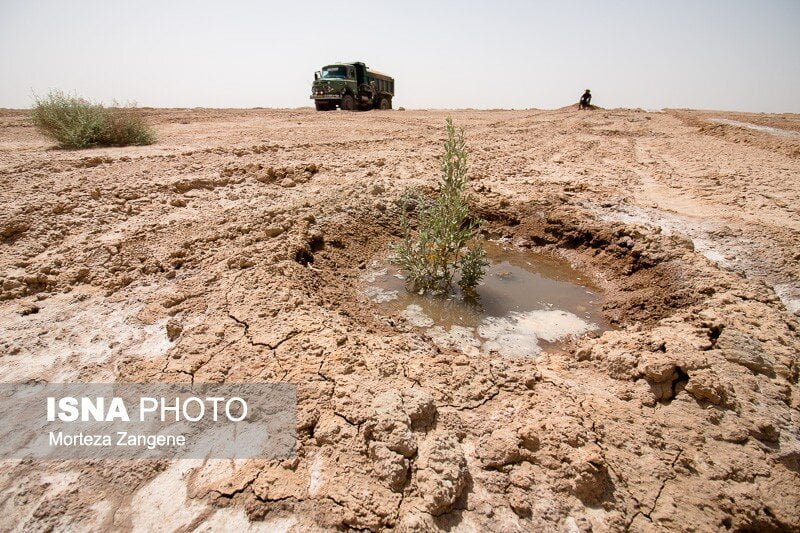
{"points": [[351, 87]]}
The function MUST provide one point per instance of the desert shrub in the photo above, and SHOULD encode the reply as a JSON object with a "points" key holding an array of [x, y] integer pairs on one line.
{"points": [[73, 122], [77, 123], [124, 126], [447, 241]]}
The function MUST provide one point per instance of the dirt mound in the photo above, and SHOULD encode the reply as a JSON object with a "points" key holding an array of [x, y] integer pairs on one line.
{"points": [[574, 107]]}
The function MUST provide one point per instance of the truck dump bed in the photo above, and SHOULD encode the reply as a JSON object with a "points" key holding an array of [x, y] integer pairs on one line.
{"points": [[383, 82]]}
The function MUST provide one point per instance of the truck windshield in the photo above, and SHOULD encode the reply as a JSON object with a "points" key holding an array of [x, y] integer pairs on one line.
{"points": [[334, 72]]}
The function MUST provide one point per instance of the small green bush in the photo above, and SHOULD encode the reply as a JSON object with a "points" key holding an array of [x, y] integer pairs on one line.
{"points": [[77, 123], [447, 240], [124, 126]]}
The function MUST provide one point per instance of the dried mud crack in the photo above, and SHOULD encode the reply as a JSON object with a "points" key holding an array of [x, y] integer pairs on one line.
{"points": [[232, 252]]}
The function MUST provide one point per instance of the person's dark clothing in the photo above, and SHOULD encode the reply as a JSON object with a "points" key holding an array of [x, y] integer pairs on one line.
{"points": [[586, 100]]}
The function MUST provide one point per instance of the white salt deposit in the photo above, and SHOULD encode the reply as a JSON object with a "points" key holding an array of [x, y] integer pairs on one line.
{"points": [[380, 295], [519, 334], [766, 129], [416, 317]]}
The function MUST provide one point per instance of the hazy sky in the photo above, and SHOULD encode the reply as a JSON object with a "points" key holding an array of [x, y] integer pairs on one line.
{"points": [[735, 54]]}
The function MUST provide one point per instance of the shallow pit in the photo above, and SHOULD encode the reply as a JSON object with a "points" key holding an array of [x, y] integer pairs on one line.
{"points": [[527, 302]]}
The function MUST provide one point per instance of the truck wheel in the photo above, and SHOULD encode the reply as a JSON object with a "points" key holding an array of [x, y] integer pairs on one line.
{"points": [[348, 103], [386, 103], [323, 106]]}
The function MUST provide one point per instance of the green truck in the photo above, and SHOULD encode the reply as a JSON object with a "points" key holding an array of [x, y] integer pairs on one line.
{"points": [[351, 86]]}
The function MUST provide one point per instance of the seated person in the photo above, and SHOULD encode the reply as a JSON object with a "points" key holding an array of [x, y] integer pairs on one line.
{"points": [[586, 100]]}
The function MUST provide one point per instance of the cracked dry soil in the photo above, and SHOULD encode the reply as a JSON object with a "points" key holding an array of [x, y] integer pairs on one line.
{"points": [[231, 250]]}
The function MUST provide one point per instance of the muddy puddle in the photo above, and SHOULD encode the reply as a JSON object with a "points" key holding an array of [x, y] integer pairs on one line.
{"points": [[526, 303]]}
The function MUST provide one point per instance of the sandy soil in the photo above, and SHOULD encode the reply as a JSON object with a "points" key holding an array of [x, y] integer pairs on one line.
{"points": [[231, 251]]}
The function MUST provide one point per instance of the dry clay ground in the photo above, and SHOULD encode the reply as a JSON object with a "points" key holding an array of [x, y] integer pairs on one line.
{"points": [[232, 250]]}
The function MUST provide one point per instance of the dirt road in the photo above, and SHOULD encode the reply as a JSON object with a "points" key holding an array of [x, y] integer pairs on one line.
{"points": [[232, 251]]}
